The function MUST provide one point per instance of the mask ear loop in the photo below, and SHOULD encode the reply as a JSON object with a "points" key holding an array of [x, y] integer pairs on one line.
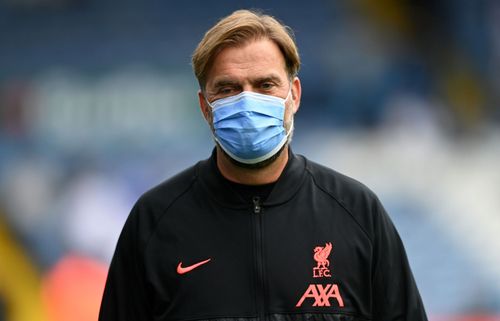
{"points": [[292, 121], [211, 117], [206, 100], [289, 93], [212, 128]]}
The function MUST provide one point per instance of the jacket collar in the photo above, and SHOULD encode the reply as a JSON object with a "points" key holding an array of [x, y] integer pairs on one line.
{"points": [[219, 189]]}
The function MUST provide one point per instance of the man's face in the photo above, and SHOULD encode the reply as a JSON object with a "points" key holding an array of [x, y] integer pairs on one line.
{"points": [[257, 66]]}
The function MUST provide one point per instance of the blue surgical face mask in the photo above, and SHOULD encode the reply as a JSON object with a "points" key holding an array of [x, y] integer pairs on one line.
{"points": [[249, 126]]}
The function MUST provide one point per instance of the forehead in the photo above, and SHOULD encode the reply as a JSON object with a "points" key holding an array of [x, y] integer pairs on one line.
{"points": [[255, 59]]}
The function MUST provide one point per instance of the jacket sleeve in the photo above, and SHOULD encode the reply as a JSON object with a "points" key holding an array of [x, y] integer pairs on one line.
{"points": [[396, 297], [125, 295]]}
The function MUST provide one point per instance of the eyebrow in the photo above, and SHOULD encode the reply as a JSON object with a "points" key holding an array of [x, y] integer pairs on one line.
{"points": [[259, 80], [225, 82], [273, 78]]}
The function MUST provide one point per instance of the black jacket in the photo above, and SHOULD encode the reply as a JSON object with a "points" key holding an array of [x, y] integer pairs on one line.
{"points": [[320, 247]]}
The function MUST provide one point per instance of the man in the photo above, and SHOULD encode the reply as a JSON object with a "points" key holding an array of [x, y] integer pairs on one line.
{"points": [[256, 231]]}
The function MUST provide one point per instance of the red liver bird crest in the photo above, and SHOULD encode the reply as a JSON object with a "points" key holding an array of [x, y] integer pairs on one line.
{"points": [[321, 255]]}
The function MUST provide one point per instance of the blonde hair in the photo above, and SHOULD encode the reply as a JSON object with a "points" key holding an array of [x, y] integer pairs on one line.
{"points": [[238, 29]]}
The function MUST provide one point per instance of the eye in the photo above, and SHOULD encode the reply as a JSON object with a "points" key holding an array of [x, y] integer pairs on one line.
{"points": [[226, 91], [267, 85]]}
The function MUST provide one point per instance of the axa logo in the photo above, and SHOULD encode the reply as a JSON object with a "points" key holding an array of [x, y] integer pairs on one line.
{"points": [[321, 294], [321, 254]]}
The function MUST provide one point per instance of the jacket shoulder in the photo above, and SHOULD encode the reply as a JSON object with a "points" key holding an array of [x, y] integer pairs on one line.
{"points": [[337, 184], [159, 198], [359, 201], [154, 204]]}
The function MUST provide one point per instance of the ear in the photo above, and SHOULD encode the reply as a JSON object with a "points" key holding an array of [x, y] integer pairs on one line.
{"points": [[204, 107], [296, 94]]}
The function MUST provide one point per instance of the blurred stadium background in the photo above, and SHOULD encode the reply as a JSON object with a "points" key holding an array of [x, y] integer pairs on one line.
{"points": [[98, 104]]}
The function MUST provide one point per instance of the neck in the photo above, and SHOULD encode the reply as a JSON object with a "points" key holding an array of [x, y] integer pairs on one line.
{"points": [[266, 175]]}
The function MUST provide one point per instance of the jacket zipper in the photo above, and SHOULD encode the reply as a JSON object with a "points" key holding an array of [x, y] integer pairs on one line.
{"points": [[260, 287]]}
